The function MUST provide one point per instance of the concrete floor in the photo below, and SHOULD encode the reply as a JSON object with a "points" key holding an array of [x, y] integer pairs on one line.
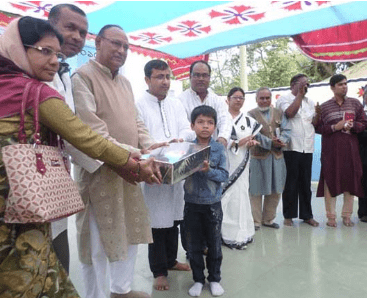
{"points": [[299, 261]]}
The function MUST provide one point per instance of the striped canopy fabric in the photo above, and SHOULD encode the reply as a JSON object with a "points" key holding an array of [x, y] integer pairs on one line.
{"points": [[190, 28], [342, 43]]}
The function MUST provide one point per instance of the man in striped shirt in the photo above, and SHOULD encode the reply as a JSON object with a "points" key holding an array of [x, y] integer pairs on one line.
{"points": [[339, 120]]}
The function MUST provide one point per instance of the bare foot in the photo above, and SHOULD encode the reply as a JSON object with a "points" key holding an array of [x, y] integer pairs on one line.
{"points": [[288, 222], [347, 222], [161, 283], [181, 267], [312, 222], [331, 223]]}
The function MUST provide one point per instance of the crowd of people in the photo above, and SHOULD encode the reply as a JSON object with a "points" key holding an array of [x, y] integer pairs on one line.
{"points": [[256, 159]]}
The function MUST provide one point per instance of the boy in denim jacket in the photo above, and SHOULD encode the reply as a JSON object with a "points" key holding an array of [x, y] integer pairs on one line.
{"points": [[203, 210]]}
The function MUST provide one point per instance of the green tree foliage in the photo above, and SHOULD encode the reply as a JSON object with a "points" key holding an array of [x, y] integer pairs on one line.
{"points": [[270, 63], [225, 74]]}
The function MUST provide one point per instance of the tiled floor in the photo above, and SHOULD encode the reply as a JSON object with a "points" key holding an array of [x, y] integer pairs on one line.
{"points": [[299, 261]]}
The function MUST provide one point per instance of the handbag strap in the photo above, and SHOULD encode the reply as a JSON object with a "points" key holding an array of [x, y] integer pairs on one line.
{"points": [[22, 135]]}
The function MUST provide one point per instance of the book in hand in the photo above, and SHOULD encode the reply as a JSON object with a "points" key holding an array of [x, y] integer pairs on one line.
{"points": [[348, 116], [179, 160]]}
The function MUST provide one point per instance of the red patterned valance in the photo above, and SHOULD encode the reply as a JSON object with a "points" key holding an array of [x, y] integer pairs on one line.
{"points": [[341, 43], [180, 67]]}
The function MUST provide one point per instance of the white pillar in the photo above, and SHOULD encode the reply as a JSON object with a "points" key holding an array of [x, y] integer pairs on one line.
{"points": [[243, 73]]}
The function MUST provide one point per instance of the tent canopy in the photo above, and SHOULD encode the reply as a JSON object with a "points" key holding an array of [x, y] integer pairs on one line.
{"points": [[189, 28], [185, 29]]}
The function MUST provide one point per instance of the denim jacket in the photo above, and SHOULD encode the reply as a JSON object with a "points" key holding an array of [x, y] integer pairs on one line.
{"points": [[206, 188]]}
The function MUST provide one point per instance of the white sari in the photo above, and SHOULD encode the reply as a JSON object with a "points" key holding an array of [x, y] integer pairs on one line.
{"points": [[238, 225]]}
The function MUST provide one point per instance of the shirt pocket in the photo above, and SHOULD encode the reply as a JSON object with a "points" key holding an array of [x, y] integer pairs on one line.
{"points": [[214, 161]]}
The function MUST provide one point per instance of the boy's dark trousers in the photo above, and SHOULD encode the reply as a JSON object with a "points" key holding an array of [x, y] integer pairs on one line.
{"points": [[162, 253], [204, 222]]}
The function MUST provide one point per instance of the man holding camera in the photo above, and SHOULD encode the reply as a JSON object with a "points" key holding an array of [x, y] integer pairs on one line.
{"points": [[298, 155]]}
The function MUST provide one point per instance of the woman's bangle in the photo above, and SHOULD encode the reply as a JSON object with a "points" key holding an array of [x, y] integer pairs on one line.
{"points": [[137, 172]]}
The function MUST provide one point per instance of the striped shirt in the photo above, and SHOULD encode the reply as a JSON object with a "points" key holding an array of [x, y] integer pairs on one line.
{"points": [[332, 113]]}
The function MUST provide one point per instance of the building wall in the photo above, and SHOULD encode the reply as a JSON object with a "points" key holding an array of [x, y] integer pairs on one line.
{"points": [[318, 92]]}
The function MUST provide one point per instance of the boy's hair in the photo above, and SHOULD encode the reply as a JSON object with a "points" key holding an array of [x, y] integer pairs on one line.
{"points": [[205, 111]]}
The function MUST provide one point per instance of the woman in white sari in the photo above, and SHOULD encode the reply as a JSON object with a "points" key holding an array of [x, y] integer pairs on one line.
{"points": [[238, 226]]}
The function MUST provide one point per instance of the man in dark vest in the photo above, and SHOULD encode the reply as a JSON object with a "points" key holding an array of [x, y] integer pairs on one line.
{"points": [[267, 167]]}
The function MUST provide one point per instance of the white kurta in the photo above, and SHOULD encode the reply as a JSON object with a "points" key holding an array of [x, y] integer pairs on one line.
{"points": [[165, 120], [63, 86], [238, 224], [191, 100], [302, 132]]}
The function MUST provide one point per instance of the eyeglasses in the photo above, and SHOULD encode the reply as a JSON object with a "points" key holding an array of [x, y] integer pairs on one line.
{"points": [[200, 75], [161, 77], [117, 44], [238, 97], [48, 52]]}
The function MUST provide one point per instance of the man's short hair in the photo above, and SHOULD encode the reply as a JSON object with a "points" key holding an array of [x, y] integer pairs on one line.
{"points": [[205, 111], [295, 78], [106, 27], [261, 89], [55, 12], [200, 61], [336, 79], [154, 64]]}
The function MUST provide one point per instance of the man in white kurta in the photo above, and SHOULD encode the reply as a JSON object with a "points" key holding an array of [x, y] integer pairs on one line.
{"points": [[200, 94], [115, 219], [164, 116], [63, 17], [299, 110]]}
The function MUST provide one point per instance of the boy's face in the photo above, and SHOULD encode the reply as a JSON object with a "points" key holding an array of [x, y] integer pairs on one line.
{"points": [[204, 127]]}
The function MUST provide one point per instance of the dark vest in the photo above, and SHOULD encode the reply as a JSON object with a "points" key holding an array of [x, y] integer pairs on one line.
{"points": [[267, 130]]}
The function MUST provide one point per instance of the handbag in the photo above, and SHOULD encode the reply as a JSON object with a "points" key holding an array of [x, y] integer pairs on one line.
{"points": [[41, 189]]}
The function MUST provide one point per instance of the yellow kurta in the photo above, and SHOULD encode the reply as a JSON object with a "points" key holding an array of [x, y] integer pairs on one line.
{"points": [[107, 105]]}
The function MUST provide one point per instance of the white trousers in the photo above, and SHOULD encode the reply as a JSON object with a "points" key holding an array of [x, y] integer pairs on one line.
{"points": [[120, 273]]}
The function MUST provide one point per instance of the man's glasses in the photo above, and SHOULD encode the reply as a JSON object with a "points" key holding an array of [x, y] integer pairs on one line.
{"points": [[200, 75], [117, 44], [48, 52]]}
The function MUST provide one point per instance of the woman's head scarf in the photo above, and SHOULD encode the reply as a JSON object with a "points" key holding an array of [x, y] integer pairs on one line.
{"points": [[11, 47], [16, 72]]}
